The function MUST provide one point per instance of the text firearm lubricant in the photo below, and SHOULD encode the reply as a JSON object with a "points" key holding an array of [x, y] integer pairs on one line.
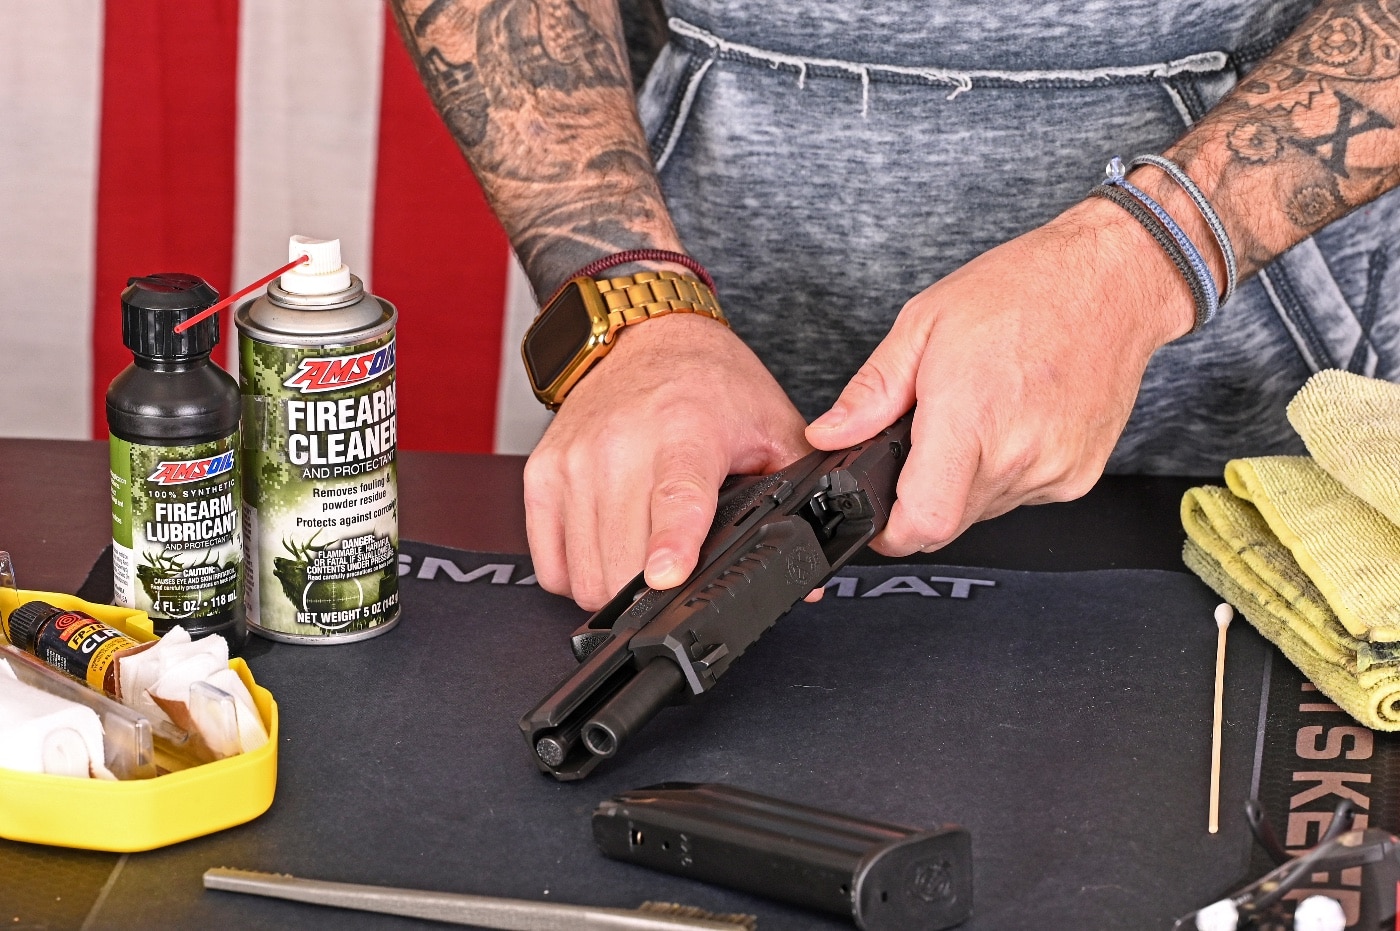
{"points": [[173, 415]]}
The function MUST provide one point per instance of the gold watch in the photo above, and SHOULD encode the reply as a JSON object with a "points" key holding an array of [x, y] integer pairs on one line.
{"points": [[579, 324]]}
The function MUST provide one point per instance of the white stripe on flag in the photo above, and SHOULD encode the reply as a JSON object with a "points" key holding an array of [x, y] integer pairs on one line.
{"points": [[50, 93], [520, 418], [308, 129]]}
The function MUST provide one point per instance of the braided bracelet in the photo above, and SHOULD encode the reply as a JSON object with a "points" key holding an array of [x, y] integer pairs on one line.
{"points": [[592, 269], [1217, 228], [1164, 238], [1199, 270]]}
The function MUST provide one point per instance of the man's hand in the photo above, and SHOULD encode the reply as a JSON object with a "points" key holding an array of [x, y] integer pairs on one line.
{"points": [[538, 95], [1024, 364], [628, 474]]}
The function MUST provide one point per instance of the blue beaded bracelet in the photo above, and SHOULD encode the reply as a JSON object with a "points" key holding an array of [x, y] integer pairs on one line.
{"points": [[1207, 294], [1158, 232], [1198, 197]]}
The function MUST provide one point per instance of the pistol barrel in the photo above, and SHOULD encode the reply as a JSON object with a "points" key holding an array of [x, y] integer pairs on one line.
{"points": [[656, 686]]}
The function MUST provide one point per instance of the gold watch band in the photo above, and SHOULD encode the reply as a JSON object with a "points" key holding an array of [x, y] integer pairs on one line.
{"points": [[605, 306], [634, 298]]}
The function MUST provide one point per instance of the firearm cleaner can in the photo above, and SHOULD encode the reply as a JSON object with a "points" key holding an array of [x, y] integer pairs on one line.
{"points": [[321, 518], [173, 416]]}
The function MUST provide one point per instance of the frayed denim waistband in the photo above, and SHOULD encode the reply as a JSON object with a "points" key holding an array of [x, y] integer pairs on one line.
{"points": [[1200, 63], [700, 42]]}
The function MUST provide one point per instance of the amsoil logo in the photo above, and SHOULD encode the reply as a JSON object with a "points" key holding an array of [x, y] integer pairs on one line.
{"points": [[191, 470], [331, 373]]}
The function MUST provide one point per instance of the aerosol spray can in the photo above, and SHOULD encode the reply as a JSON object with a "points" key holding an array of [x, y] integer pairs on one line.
{"points": [[321, 528], [173, 416]]}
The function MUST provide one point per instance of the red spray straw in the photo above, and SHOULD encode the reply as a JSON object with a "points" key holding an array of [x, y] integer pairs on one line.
{"points": [[182, 327]]}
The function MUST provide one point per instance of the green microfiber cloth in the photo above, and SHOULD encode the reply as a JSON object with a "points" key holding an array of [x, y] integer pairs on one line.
{"points": [[1308, 559]]}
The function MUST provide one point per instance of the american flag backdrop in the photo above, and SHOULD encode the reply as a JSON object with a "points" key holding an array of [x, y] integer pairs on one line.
{"points": [[139, 136]]}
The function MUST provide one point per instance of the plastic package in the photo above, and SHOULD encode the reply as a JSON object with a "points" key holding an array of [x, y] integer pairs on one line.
{"points": [[127, 737], [139, 814], [217, 714]]}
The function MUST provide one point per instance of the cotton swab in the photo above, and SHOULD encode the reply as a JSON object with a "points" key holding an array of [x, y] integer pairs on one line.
{"points": [[1224, 614]]}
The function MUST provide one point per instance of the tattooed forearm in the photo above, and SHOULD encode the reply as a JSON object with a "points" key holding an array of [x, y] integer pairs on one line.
{"points": [[539, 96], [1309, 134]]}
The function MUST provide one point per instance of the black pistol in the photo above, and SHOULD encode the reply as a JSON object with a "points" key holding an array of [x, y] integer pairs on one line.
{"points": [[774, 539]]}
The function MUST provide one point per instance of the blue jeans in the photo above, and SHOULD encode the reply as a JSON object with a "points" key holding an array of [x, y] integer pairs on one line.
{"points": [[828, 168]]}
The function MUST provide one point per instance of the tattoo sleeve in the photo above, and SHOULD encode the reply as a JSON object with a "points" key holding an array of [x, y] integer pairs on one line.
{"points": [[538, 95], [1308, 135]]}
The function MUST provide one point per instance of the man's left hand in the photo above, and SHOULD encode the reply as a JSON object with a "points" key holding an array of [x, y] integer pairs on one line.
{"points": [[1024, 364]]}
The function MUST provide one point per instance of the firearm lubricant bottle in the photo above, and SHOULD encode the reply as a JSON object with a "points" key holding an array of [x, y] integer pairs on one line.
{"points": [[321, 518], [173, 416]]}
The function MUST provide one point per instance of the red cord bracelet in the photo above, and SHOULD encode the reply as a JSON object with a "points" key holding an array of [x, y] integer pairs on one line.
{"points": [[592, 269]]}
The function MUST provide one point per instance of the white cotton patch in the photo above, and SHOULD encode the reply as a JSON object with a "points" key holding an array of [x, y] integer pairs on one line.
{"points": [[189, 684], [42, 733]]}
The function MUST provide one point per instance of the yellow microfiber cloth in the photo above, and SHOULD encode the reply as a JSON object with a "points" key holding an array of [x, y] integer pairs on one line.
{"points": [[1313, 566], [1351, 425], [1348, 548], [1231, 548]]}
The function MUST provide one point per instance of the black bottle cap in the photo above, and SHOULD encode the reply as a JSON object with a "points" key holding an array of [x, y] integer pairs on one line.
{"points": [[25, 621], [153, 304]]}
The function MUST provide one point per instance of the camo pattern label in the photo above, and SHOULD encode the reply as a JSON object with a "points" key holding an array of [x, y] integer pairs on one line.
{"points": [[321, 516], [176, 536]]}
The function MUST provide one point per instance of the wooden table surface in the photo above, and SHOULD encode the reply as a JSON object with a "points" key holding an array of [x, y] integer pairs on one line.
{"points": [[55, 505], [55, 511]]}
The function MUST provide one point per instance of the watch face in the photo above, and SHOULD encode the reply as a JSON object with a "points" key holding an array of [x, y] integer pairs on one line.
{"points": [[557, 336]]}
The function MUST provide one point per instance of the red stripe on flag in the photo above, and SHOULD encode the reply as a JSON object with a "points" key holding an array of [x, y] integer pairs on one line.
{"points": [[440, 257], [165, 194]]}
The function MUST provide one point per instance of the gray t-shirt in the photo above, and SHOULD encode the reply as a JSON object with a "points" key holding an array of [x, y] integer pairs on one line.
{"points": [[828, 160]]}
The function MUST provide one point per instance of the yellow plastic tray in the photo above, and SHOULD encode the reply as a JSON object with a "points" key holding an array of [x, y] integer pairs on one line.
{"points": [[138, 814]]}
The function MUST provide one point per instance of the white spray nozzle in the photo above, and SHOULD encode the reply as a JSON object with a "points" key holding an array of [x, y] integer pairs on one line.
{"points": [[323, 274]]}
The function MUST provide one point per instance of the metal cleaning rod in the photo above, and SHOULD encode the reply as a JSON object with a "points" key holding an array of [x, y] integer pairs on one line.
{"points": [[481, 911]]}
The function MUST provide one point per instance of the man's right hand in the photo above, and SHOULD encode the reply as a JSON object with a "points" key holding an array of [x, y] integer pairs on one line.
{"points": [[628, 474]]}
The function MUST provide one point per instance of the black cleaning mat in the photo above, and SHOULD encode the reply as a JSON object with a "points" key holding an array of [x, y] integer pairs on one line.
{"points": [[1063, 718]]}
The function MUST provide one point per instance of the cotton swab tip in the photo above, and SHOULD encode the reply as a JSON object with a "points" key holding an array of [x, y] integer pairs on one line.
{"points": [[1224, 614], [1218, 916]]}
